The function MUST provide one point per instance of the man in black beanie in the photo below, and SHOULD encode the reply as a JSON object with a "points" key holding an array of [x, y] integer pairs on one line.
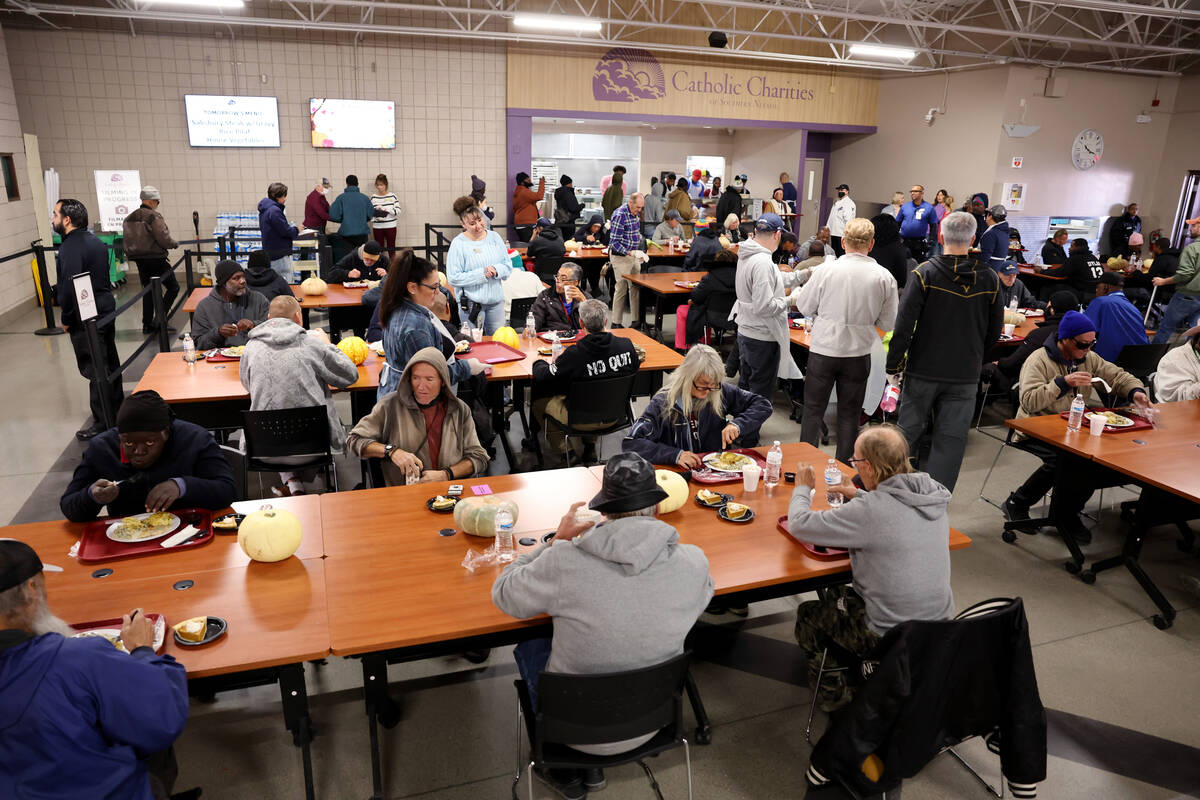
{"points": [[149, 462], [229, 312]]}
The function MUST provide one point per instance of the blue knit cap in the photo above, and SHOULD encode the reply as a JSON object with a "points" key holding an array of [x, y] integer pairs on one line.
{"points": [[1074, 323]]}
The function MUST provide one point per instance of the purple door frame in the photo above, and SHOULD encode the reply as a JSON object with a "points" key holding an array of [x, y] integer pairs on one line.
{"points": [[816, 141]]}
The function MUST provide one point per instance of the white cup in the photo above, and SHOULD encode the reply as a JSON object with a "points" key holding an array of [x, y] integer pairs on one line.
{"points": [[477, 334], [588, 515], [750, 474], [1096, 424], [1009, 328]]}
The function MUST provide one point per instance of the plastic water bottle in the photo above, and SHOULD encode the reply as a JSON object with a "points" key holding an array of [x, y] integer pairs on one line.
{"points": [[1012, 304], [465, 329], [530, 326], [774, 466], [504, 536], [891, 398], [1075, 420], [833, 476], [556, 348], [189, 349]]}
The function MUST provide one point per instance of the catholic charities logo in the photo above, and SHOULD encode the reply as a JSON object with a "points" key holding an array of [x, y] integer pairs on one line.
{"points": [[628, 74]]}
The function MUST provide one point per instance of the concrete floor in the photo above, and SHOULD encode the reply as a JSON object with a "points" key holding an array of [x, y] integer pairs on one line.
{"points": [[1121, 696]]}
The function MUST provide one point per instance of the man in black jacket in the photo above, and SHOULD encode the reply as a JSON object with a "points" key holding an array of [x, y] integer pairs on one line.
{"points": [[1165, 262], [1054, 250], [566, 206], [954, 303], [1004, 372], [262, 278], [1122, 228], [148, 462], [546, 242], [596, 356], [557, 307], [367, 262], [1082, 271], [81, 252]]}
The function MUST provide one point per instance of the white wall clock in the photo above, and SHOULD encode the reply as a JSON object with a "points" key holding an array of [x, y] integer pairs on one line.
{"points": [[1087, 149]]}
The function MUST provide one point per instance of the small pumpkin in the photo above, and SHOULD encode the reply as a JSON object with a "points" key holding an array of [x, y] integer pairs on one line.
{"points": [[676, 488], [508, 336], [477, 515], [355, 348], [270, 534], [313, 286]]}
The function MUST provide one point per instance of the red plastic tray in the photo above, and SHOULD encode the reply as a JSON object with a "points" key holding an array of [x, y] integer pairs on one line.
{"points": [[95, 546], [83, 627], [815, 550], [493, 352], [710, 477], [218, 358], [1139, 423]]}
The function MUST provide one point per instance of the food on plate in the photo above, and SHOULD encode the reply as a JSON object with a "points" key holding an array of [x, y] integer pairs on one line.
{"points": [[736, 510], [441, 502], [477, 515], [462, 347], [233, 352], [676, 488], [270, 534], [113, 637], [192, 630], [728, 461], [545, 351], [355, 348], [143, 526], [508, 336], [228, 523], [708, 496], [160, 518], [313, 286], [1115, 419]]}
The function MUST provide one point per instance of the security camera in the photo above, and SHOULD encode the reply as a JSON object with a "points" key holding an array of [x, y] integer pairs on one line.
{"points": [[929, 115], [729, 131]]}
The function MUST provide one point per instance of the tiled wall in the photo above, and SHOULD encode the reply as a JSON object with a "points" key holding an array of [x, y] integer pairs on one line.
{"points": [[17, 222], [101, 100]]}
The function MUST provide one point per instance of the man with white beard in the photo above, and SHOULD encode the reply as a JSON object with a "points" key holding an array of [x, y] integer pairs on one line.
{"points": [[78, 717]]}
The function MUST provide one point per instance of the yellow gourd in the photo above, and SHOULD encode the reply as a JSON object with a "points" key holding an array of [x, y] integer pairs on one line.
{"points": [[675, 487], [313, 286], [508, 336], [355, 348], [270, 534]]}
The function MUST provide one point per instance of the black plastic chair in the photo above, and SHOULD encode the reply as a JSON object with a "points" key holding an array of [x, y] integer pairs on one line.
{"points": [[287, 433], [603, 405], [1141, 360], [602, 708], [518, 310]]}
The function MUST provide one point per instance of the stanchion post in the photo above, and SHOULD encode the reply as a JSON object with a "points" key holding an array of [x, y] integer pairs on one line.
{"points": [[39, 253], [221, 246], [100, 373], [189, 275], [160, 314]]}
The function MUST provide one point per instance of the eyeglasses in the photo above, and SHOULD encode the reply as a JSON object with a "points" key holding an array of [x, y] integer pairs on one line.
{"points": [[701, 388], [567, 281], [853, 461], [431, 286], [1085, 345]]}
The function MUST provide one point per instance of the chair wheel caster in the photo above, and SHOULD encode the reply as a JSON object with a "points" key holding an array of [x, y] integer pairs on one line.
{"points": [[1088, 577], [704, 733], [1072, 567], [1009, 536], [1161, 622]]}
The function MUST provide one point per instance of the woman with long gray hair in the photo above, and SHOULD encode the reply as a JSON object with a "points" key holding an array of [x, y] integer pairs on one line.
{"points": [[697, 412]]}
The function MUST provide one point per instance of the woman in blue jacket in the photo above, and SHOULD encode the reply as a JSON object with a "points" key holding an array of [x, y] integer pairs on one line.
{"points": [[697, 412], [277, 232], [478, 263], [409, 324]]}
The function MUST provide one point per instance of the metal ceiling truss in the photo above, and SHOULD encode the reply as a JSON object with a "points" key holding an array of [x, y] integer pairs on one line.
{"points": [[1160, 37]]}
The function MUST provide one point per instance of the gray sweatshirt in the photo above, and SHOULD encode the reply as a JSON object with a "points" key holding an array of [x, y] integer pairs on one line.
{"points": [[212, 312], [284, 367], [761, 307], [899, 541]]}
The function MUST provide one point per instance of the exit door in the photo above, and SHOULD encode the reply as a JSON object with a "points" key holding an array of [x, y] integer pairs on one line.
{"points": [[810, 197]]}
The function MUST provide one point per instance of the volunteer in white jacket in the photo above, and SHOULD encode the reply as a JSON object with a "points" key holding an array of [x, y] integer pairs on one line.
{"points": [[847, 300], [764, 348], [842, 212]]}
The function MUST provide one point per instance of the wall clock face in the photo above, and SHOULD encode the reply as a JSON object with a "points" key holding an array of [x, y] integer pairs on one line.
{"points": [[1087, 149]]}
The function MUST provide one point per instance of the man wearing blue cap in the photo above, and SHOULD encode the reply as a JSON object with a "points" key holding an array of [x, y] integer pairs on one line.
{"points": [[1012, 289], [764, 347], [78, 717], [546, 241], [1050, 379]]}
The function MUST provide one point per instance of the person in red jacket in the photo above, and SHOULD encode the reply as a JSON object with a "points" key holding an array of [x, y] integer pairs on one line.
{"points": [[316, 206], [524, 203]]}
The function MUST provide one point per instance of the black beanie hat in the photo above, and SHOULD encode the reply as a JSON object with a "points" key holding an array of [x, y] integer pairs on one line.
{"points": [[143, 411], [225, 270]]}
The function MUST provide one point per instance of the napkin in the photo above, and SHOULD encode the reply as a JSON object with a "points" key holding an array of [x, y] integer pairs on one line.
{"points": [[188, 532]]}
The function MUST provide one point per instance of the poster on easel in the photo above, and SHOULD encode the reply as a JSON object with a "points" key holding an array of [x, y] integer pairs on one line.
{"points": [[118, 194]]}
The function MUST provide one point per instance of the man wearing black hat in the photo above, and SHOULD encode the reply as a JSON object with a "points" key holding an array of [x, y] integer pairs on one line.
{"points": [[78, 717], [546, 242], [663, 587], [229, 312], [842, 212], [149, 462], [82, 252]]}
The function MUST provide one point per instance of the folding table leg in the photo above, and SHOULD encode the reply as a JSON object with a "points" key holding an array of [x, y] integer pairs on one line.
{"points": [[294, 694], [381, 709], [1128, 558], [703, 726]]}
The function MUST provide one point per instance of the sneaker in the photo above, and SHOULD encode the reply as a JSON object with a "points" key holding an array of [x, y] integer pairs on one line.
{"points": [[89, 433], [740, 611], [565, 783], [593, 779], [1014, 512], [1075, 529], [716, 608]]}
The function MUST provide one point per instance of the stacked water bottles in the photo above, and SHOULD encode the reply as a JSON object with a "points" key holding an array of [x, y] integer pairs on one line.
{"points": [[246, 238]]}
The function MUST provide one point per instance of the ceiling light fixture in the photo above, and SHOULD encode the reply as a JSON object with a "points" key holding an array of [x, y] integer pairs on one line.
{"points": [[882, 51], [206, 3], [555, 22]]}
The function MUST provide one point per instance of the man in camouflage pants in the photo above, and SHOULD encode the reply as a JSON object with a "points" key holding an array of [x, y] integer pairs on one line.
{"points": [[837, 620]]}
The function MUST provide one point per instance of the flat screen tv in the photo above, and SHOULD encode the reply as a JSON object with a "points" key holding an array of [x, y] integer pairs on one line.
{"points": [[230, 121], [359, 124]]}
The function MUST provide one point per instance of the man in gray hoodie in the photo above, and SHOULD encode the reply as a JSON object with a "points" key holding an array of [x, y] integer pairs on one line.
{"points": [[663, 587], [286, 366], [230, 310], [897, 531]]}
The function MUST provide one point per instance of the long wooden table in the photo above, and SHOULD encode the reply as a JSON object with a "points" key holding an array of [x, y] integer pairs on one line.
{"points": [[401, 593], [277, 613], [1031, 271], [1163, 458], [662, 286], [336, 296]]}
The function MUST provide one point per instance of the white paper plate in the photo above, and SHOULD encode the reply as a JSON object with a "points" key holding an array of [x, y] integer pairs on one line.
{"points": [[164, 530]]}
